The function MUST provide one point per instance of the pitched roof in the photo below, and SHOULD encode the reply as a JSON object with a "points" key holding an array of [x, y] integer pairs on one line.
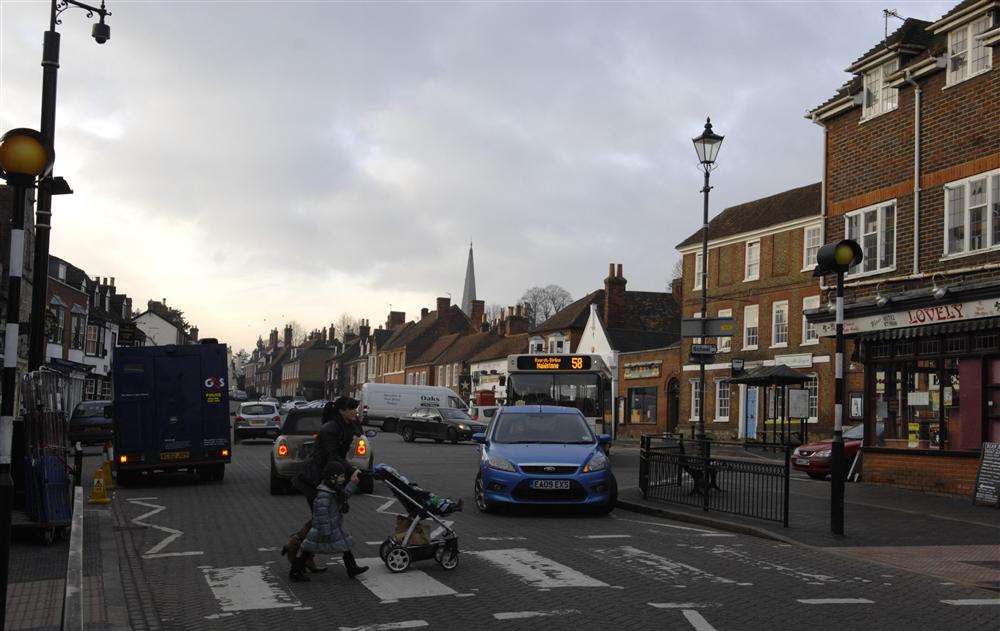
{"points": [[573, 316], [466, 346], [651, 311], [416, 337], [911, 34], [796, 203], [436, 349], [513, 345], [628, 340]]}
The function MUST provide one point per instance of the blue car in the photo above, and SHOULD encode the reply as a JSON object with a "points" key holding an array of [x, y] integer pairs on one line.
{"points": [[543, 455]]}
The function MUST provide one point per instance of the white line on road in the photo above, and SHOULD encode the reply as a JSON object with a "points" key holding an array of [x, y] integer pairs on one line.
{"points": [[536, 570], [836, 601], [275, 549], [966, 602], [246, 588], [682, 605], [387, 626], [521, 615], [410, 584], [164, 555], [697, 620], [656, 566], [604, 537], [439, 531], [656, 523], [172, 534], [385, 507], [502, 538]]}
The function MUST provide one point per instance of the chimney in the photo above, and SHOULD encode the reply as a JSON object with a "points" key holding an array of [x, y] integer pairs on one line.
{"points": [[676, 288], [396, 318], [443, 310], [614, 298], [516, 323], [272, 339], [349, 335], [288, 336], [164, 302], [424, 312], [112, 281], [364, 329], [510, 312], [478, 313], [322, 334], [193, 334]]}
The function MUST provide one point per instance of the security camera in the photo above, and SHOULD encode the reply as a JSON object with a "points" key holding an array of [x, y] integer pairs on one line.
{"points": [[101, 32]]}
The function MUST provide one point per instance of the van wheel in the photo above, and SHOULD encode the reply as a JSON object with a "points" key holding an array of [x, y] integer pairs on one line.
{"points": [[219, 472], [408, 434], [389, 425], [206, 474]]}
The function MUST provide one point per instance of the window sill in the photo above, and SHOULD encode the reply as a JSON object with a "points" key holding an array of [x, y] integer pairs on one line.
{"points": [[721, 419], [885, 270], [750, 280], [865, 119], [962, 255], [750, 348], [971, 76], [779, 346], [810, 342]]}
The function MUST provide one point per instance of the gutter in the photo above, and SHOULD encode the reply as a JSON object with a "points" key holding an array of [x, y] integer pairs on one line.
{"points": [[916, 171]]}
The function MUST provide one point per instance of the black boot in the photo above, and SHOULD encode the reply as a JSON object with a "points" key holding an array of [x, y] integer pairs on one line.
{"points": [[353, 569], [298, 571]]}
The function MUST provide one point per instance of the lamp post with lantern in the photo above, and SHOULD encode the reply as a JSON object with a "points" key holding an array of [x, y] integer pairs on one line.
{"points": [[707, 146], [25, 156], [837, 258]]}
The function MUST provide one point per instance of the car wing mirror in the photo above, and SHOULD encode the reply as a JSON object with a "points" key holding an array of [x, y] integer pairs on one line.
{"points": [[479, 437], [604, 439]]}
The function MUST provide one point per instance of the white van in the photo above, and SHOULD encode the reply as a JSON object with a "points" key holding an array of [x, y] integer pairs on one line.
{"points": [[383, 404]]}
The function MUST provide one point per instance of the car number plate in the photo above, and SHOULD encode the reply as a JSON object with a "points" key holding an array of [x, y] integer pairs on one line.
{"points": [[257, 423], [175, 455], [802, 461], [550, 484]]}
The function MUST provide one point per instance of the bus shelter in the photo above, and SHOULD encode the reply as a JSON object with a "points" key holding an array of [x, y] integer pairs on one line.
{"points": [[775, 381]]}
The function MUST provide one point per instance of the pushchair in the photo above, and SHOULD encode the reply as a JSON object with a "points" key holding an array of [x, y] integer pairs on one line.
{"points": [[396, 553]]}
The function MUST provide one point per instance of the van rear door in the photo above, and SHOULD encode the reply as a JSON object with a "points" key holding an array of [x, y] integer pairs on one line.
{"points": [[178, 420], [134, 404]]}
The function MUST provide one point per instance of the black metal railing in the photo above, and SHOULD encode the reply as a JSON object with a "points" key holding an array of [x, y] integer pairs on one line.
{"points": [[679, 472]]}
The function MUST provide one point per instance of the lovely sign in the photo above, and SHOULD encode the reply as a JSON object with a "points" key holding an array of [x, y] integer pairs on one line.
{"points": [[916, 317]]}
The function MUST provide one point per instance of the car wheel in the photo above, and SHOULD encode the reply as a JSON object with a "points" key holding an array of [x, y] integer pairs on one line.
{"points": [[389, 425], [278, 486], [609, 506], [482, 503], [452, 436], [408, 435]]}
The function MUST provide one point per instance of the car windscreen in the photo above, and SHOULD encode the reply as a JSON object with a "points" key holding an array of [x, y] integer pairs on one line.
{"points": [[94, 409], [302, 424], [457, 415], [542, 427], [855, 433], [257, 410]]}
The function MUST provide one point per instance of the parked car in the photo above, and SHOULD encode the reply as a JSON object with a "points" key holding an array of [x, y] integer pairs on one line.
{"points": [[238, 395], [441, 424], [385, 404], [292, 404], [295, 443], [267, 399], [483, 413], [814, 458], [543, 455], [89, 424], [256, 420]]}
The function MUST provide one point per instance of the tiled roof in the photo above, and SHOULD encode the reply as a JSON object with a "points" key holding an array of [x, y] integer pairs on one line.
{"points": [[573, 316], [436, 349], [651, 311], [627, 340], [416, 337], [467, 346], [513, 345], [796, 203], [913, 33]]}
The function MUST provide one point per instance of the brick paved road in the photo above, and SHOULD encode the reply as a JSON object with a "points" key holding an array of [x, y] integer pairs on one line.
{"points": [[518, 571]]}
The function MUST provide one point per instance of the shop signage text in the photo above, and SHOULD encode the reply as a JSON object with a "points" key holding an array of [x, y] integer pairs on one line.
{"points": [[916, 317]]}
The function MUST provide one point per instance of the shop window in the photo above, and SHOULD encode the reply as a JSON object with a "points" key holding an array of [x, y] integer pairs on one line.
{"points": [[930, 347], [986, 342], [642, 405], [956, 344], [874, 228]]}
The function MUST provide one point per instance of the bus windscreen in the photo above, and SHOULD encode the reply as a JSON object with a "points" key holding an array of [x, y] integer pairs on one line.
{"points": [[580, 391]]}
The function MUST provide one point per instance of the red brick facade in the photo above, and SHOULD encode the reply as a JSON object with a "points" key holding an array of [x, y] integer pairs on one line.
{"points": [[930, 472], [658, 370]]}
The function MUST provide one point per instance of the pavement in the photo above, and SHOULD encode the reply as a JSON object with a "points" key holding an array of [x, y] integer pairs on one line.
{"points": [[937, 535], [175, 553]]}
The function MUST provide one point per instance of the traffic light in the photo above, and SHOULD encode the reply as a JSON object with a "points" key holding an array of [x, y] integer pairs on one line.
{"points": [[838, 257]]}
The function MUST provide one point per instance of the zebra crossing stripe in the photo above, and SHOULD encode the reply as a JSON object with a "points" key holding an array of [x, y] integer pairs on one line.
{"points": [[246, 588], [536, 570], [388, 586], [835, 601], [973, 602], [388, 626], [521, 615]]}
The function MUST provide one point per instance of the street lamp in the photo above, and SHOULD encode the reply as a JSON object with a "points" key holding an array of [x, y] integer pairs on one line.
{"points": [[50, 186], [707, 146], [837, 258], [24, 157]]}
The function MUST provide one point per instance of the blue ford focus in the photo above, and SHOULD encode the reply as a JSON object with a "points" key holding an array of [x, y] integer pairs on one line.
{"points": [[543, 455]]}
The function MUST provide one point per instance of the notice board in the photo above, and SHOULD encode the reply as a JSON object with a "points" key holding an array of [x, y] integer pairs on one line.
{"points": [[987, 491]]}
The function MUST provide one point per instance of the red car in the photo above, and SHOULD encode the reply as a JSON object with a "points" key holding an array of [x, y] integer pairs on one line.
{"points": [[814, 458]]}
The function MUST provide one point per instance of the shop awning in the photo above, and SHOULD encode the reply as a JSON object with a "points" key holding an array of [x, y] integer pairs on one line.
{"points": [[933, 330], [778, 375]]}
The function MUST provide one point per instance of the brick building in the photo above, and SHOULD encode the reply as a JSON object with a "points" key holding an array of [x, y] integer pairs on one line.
{"points": [[760, 260], [304, 369], [649, 389], [912, 172], [411, 339]]}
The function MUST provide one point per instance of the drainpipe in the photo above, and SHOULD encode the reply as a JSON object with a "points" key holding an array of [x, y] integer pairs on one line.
{"points": [[822, 180], [916, 172]]}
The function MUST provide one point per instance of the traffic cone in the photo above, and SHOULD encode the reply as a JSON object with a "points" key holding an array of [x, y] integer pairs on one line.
{"points": [[98, 493]]}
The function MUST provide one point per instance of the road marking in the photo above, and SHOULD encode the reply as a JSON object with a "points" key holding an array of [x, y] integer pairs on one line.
{"points": [[682, 605], [803, 574], [247, 588], [410, 584], [172, 534], [536, 570], [385, 507], [521, 615], [164, 555], [656, 566], [674, 526], [387, 626], [502, 538], [439, 531], [697, 620], [604, 537], [836, 601], [375, 543], [268, 549], [966, 602]]}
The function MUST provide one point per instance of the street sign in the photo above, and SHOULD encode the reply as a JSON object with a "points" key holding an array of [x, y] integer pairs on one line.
{"points": [[703, 349], [798, 403], [714, 327]]}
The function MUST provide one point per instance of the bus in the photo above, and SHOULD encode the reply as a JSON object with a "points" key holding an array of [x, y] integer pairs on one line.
{"points": [[578, 381]]}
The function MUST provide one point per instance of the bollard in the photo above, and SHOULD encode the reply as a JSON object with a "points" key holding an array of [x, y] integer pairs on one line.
{"points": [[78, 465]]}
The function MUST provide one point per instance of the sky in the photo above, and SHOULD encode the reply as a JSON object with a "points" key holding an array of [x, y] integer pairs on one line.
{"points": [[258, 162]]}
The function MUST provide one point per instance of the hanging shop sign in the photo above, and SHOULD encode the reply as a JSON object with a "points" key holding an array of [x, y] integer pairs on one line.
{"points": [[916, 317]]}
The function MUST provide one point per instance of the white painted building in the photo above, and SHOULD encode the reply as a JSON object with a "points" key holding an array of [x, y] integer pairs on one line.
{"points": [[159, 331]]}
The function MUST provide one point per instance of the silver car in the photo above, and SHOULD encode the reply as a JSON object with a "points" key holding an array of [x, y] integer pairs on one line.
{"points": [[295, 443], [256, 420]]}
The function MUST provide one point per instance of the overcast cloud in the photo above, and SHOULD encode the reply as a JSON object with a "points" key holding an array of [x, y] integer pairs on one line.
{"points": [[256, 162]]}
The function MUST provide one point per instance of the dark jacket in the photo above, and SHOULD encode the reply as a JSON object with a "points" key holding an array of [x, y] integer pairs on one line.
{"points": [[332, 444]]}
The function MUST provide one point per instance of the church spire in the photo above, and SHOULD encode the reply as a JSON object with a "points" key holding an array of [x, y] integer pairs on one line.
{"points": [[469, 291]]}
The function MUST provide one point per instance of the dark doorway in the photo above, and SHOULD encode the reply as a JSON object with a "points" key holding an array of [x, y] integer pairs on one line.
{"points": [[673, 405]]}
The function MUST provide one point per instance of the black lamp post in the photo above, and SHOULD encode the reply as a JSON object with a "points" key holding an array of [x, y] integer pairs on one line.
{"points": [[24, 156], [837, 258], [707, 145], [50, 186]]}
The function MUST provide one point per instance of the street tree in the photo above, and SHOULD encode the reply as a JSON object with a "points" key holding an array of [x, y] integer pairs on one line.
{"points": [[541, 303], [493, 312], [345, 323]]}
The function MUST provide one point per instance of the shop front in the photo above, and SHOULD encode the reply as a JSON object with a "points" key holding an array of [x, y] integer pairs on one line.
{"points": [[931, 393], [648, 400]]}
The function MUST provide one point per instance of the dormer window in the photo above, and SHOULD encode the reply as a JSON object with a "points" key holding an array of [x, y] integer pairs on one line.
{"points": [[879, 97], [62, 271], [967, 55]]}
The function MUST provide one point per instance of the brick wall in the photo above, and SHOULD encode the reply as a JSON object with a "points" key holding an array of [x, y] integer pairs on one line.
{"points": [[669, 370], [953, 475]]}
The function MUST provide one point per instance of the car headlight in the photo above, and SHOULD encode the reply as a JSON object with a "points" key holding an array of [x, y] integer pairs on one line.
{"points": [[500, 464], [598, 462], [462, 426], [822, 454]]}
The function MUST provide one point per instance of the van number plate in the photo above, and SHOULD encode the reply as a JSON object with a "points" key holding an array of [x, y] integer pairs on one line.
{"points": [[550, 484], [175, 455]]}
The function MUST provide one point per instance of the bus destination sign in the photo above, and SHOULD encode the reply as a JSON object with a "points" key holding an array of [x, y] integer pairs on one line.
{"points": [[553, 362]]}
